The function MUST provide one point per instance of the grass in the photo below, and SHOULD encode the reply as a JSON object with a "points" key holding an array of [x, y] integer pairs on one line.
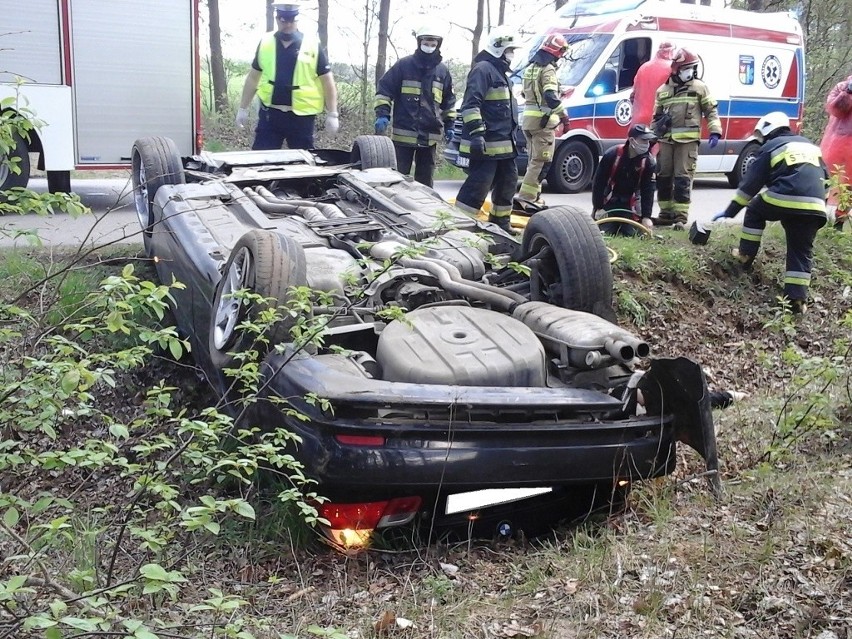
{"points": [[771, 558]]}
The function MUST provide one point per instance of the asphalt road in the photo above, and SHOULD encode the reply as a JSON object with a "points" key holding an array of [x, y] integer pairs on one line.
{"points": [[114, 219]]}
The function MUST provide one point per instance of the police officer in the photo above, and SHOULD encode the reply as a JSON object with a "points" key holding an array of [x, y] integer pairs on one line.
{"points": [[293, 81], [543, 112], [420, 90], [678, 107], [624, 170], [490, 120], [794, 174]]}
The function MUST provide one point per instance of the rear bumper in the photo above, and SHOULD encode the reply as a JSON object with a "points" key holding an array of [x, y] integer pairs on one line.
{"points": [[426, 438]]}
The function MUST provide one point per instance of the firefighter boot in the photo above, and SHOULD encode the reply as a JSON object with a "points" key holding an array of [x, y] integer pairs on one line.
{"points": [[503, 221], [746, 261]]}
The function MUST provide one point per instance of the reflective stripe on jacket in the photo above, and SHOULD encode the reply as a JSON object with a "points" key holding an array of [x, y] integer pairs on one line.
{"points": [[421, 97], [686, 103], [488, 108], [538, 79], [307, 89], [794, 174]]}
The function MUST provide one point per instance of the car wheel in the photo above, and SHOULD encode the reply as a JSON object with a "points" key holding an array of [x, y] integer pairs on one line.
{"points": [[155, 161], [574, 270], [572, 168], [748, 155], [8, 178], [374, 152], [262, 262]]}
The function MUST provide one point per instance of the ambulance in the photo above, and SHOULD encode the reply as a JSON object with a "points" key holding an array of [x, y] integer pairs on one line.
{"points": [[753, 63]]}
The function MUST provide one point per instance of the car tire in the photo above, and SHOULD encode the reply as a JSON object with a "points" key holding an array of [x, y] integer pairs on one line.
{"points": [[374, 152], [155, 161], [747, 156], [572, 169], [59, 181], [575, 272], [8, 178], [266, 263]]}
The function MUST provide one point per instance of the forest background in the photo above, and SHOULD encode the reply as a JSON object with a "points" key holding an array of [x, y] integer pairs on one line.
{"points": [[365, 37]]}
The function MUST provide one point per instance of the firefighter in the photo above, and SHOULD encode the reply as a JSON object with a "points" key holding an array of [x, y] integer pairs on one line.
{"points": [[678, 108], [624, 170], [419, 89], [292, 78], [488, 139], [794, 174], [543, 112]]}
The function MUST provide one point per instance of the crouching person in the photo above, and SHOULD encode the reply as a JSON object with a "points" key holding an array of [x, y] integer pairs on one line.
{"points": [[794, 174], [623, 171]]}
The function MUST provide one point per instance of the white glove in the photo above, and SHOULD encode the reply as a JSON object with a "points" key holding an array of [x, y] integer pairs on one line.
{"points": [[242, 117], [332, 124]]}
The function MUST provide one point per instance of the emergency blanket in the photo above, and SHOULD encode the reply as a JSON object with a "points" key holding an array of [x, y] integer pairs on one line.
{"points": [[836, 143]]}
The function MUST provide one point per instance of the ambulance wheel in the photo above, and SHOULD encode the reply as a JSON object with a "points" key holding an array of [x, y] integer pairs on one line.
{"points": [[572, 168], [748, 155]]}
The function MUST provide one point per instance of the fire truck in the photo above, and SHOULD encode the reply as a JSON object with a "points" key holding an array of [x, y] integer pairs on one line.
{"points": [[93, 76]]}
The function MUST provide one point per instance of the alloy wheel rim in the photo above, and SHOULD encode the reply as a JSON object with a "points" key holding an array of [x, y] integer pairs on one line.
{"points": [[229, 308], [140, 197]]}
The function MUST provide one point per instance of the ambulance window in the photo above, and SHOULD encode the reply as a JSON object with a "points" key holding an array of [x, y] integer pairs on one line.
{"points": [[586, 49], [631, 55]]}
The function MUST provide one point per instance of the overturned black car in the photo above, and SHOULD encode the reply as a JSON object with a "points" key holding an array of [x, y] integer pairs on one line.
{"points": [[501, 370]]}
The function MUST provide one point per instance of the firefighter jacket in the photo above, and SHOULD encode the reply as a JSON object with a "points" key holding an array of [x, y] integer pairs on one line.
{"points": [[542, 107], [685, 104], [420, 91], [307, 97], [794, 174], [619, 176], [488, 108]]}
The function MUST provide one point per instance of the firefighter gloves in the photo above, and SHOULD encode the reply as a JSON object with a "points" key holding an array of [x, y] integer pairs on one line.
{"points": [[477, 146], [714, 140], [382, 123]]}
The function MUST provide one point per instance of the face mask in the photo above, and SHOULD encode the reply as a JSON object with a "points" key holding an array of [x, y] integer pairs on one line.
{"points": [[639, 146], [509, 55], [428, 48], [686, 75]]}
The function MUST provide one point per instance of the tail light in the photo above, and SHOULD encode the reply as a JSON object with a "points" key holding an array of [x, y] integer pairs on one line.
{"points": [[350, 525]]}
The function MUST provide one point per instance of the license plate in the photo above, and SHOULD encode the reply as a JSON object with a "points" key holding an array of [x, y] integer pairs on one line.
{"points": [[462, 162], [463, 502]]}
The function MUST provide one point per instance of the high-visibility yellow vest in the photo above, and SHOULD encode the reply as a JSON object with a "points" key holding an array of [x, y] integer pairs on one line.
{"points": [[307, 92]]}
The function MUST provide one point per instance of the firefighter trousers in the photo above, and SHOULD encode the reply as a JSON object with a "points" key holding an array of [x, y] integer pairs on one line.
{"points": [[675, 168], [423, 158], [800, 229], [484, 175], [540, 146]]}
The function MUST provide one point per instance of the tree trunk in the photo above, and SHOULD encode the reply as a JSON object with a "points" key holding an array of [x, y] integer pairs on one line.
{"points": [[322, 22], [382, 55], [558, 4], [217, 66], [501, 15], [477, 30], [270, 16]]}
